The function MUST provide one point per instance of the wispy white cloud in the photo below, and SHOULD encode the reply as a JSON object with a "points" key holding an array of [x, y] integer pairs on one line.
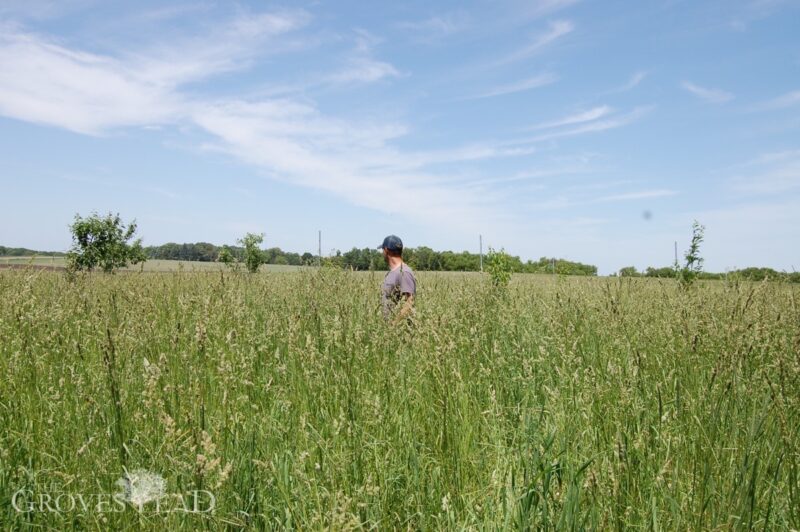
{"points": [[364, 70], [754, 10], [631, 84], [520, 86], [48, 83], [603, 185], [562, 201], [361, 66], [637, 78], [578, 118], [555, 31], [641, 194], [287, 138], [332, 156], [775, 157], [531, 175], [437, 26], [170, 12], [709, 95], [529, 10], [598, 125], [522, 12], [789, 99], [769, 174], [297, 144], [470, 152], [592, 121], [233, 45]]}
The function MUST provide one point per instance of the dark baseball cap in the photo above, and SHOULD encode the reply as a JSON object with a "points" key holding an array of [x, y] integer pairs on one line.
{"points": [[392, 243]]}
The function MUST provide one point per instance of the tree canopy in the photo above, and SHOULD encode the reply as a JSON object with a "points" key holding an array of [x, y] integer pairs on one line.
{"points": [[104, 242]]}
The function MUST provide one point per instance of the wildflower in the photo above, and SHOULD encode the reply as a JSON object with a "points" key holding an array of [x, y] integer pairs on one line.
{"points": [[85, 446]]}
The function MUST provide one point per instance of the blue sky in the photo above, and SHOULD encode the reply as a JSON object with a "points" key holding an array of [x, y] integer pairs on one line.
{"points": [[594, 131]]}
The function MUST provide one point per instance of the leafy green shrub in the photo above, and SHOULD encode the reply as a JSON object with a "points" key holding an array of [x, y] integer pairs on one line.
{"points": [[227, 258], [498, 264], [103, 242], [253, 255], [629, 271], [693, 264]]}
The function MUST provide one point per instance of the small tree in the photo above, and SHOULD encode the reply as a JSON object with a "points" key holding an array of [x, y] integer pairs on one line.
{"points": [[629, 271], [103, 242], [498, 264], [253, 255], [693, 264], [227, 258]]}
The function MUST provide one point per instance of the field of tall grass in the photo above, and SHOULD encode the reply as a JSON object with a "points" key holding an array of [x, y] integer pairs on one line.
{"points": [[556, 403]]}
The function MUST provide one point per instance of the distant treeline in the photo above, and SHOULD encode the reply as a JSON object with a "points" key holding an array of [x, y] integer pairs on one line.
{"points": [[205, 252], [25, 252], [749, 274], [427, 259], [421, 258]]}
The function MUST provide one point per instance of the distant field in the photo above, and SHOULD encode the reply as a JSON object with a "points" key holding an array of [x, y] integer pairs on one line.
{"points": [[38, 261], [152, 265]]}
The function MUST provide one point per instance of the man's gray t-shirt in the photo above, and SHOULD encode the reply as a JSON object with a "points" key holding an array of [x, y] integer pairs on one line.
{"points": [[397, 282]]}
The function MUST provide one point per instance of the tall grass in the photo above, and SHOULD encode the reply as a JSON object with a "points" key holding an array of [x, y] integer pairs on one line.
{"points": [[557, 403]]}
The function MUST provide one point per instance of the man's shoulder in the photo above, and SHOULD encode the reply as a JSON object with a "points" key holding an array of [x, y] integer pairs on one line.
{"points": [[399, 272], [405, 269]]}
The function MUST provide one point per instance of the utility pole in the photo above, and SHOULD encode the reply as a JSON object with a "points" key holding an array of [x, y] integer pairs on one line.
{"points": [[553, 265], [480, 247], [676, 254], [319, 248]]}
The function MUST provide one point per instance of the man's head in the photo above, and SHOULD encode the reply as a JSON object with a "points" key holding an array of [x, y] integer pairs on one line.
{"points": [[392, 246]]}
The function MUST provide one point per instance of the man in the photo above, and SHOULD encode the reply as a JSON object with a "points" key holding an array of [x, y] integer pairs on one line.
{"points": [[399, 285]]}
